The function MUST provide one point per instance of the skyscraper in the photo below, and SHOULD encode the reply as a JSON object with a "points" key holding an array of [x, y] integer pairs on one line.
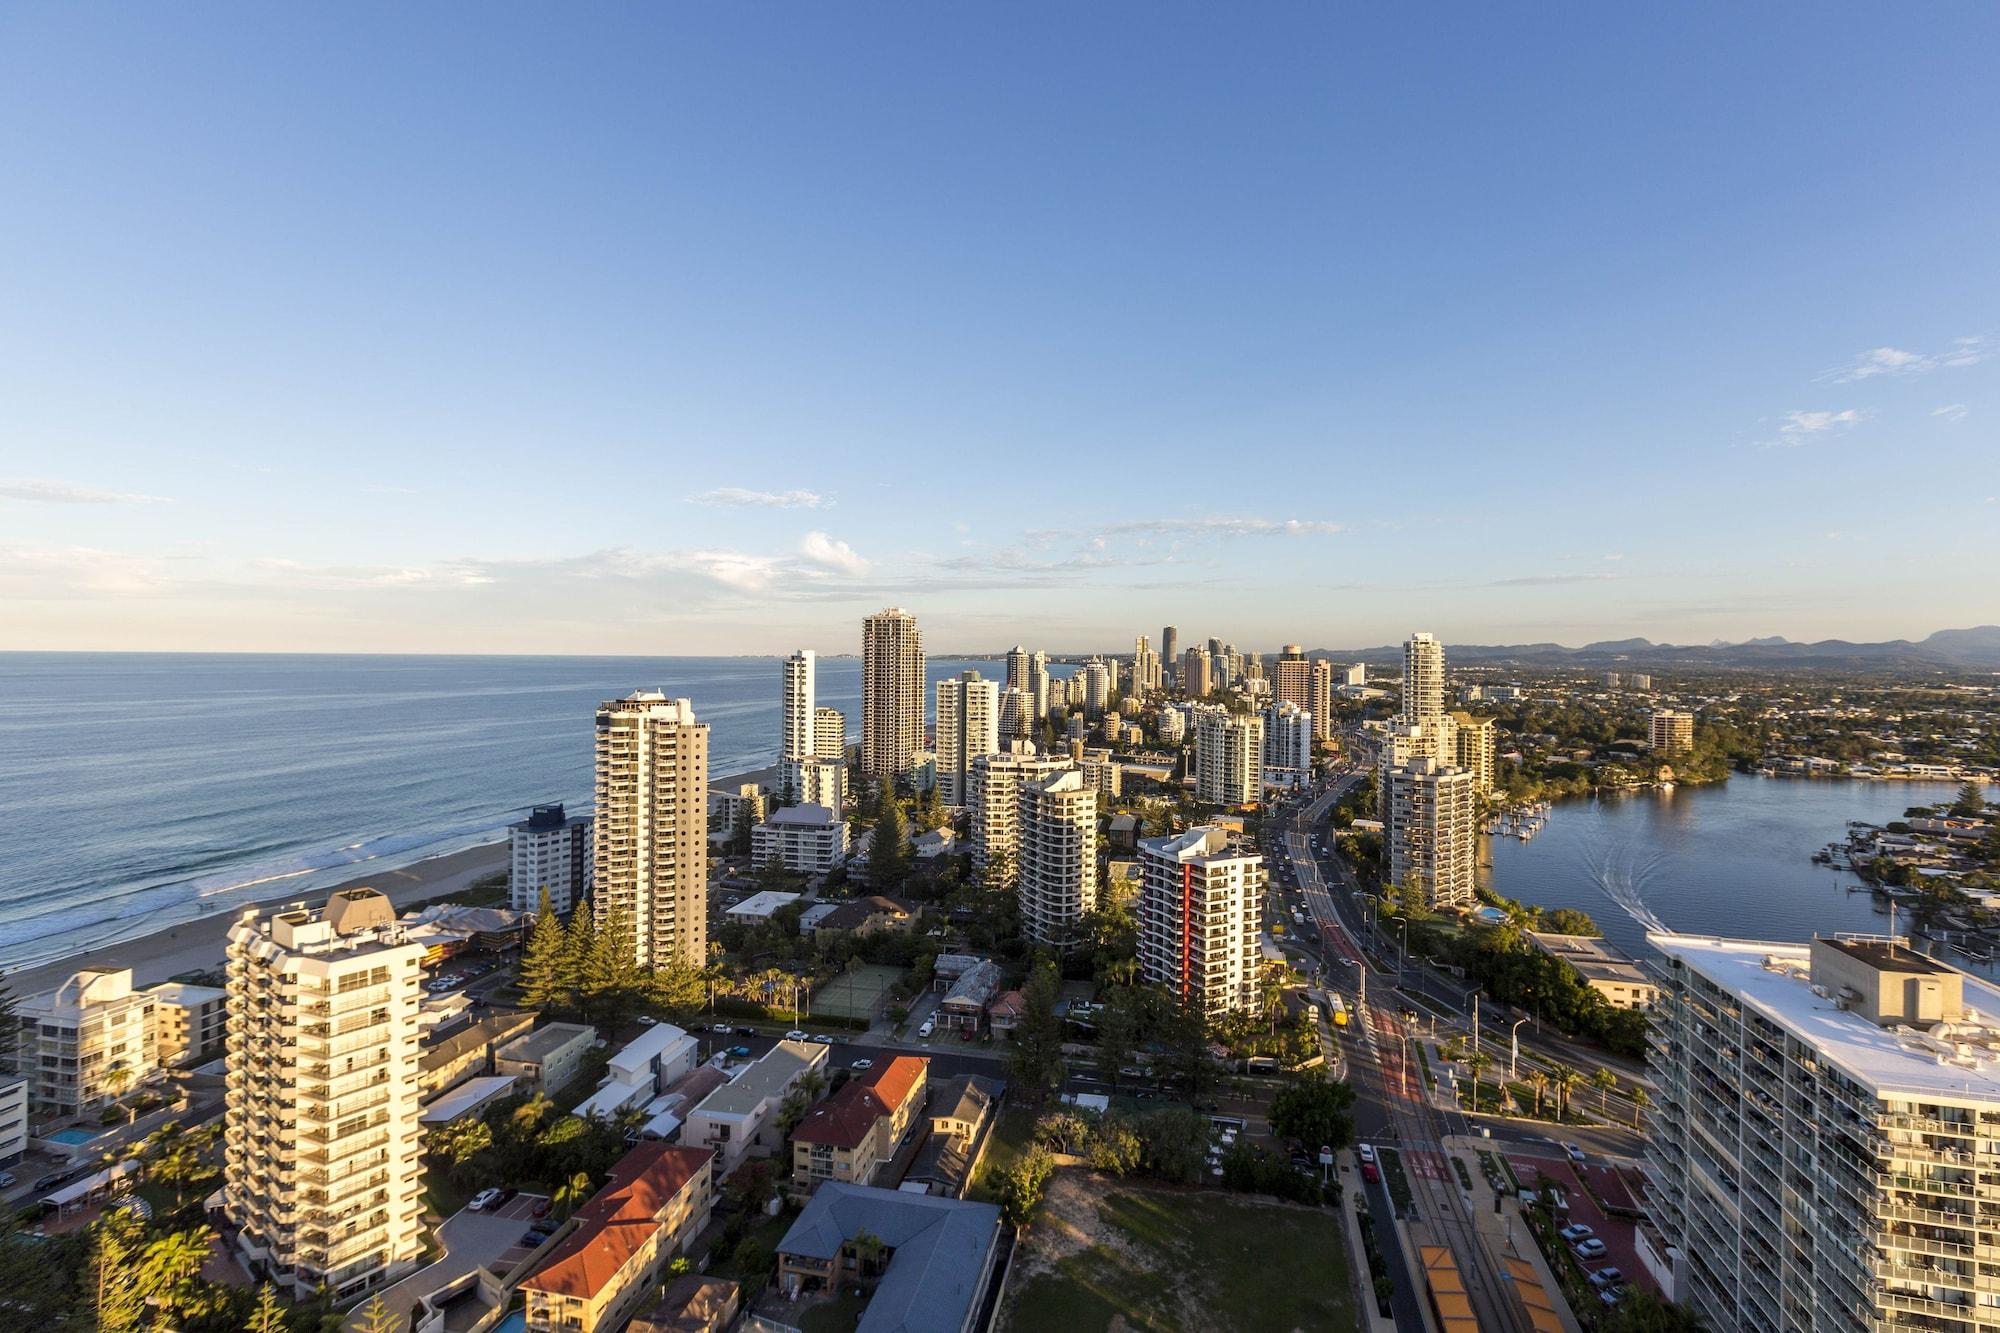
{"points": [[1825, 1134], [796, 721], [1145, 668], [1423, 679], [652, 827], [830, 735], [322, 1171], [1319, 698], [1038, 678], [1194, 674], [1020, 670], [548, 852], [1433, 831], [1474, 739], [1057, 858], [995, 798], [1200, 901], [1228, 756], [968, 725], [1288, 737], [1672, 732], [1170, 645], [892, 694], [1291, 677], [1096, 687]]}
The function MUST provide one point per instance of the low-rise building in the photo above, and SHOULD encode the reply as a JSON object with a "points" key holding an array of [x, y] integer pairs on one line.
{"points": [[1621, 981], [188, 1022], [965, 1001], [805, 839], [851, 1135], [13, 1118], [87, 1042], [548, 852], [863, 917], [926, 1271], [469, 1098], [644, 1068], [658, 1198], [468, 1051], [546, 1059], [693, 1304], [739, 1119], [758, 907]]}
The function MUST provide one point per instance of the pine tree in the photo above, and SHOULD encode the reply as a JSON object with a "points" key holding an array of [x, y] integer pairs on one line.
{"points": [[888, 855], [375, 1317], [267, 1316], [10, 1029], [610, 975], [542, 981], [116, 1294], [578, 942]]}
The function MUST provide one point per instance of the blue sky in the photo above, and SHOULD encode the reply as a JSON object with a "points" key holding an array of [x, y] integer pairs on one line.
{"points": [[711, 328]]}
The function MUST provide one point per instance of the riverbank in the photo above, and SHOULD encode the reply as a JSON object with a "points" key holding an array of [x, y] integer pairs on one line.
{"points": [[192, 946]]}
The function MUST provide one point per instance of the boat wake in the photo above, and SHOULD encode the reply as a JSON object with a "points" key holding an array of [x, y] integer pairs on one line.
{"points": [[1622, 878]]}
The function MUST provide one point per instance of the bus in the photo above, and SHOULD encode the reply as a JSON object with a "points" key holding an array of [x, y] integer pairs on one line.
{"points": [[1339, 1007]]}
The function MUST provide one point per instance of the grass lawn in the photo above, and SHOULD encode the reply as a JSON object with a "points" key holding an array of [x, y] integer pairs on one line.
{"points": [[1399, 1184], [1009, 1143], [1169, 1260], [839, 1315]]}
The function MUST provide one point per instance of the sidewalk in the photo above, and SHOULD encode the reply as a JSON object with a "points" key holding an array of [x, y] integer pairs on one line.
{"points": [[1357, 1252], [1504, 1234]]}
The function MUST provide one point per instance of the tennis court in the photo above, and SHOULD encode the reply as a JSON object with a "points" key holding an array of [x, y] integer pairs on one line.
{"points": [[856, 994]]}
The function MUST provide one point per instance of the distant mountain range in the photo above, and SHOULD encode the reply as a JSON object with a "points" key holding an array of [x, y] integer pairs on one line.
{"points": [[1975, 649]]}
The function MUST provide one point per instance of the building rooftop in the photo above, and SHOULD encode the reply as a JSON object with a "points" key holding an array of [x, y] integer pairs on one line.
{"points": [[844, 1119], [764, 1079], [939, 1251], [467, 1096], [803, 816], [543, 1042], [1891, 957], [1957, 1060], [761, 904], [619, 1219], [1593, 958]]}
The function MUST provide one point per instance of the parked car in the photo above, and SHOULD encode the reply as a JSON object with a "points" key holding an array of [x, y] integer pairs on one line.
{"points": [[796, 1034], [720, 1027], [6, 1180], [1576, 1231], [1611, 1295], [739, 1051], [541, 1208], [49, 1181], [483, 1200], [746, 1032], [822, 1039], [531, 1239], [929, 1027], [647, 1020], [1367, 1151], [1370, 1172], [862, 1064], [1590, 1249], [1606, 1277]]}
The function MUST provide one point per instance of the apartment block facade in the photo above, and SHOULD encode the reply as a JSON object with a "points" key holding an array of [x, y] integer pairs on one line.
{"points": [[1433, 831], [968, 725], [1057, 860], [892, 694], [651, 829], [1200, 904], [549, 852], [1228, 756], [87, 1043], [995, 795]]}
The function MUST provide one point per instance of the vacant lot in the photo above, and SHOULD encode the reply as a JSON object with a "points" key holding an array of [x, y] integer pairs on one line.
{"points": [[1108, 1254]]}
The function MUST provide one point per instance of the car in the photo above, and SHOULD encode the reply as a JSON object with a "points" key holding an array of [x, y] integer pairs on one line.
{"points": [[50, 1181], [862, 1064], [532, 1239], [720, 1027], [746, 1032], [1611, 1295], [1576, 1231], [739, 1051], [1367, 1151], [822, 1038], [647, 1020], [1590, 1249], [796, 1034], [483, 1200], [1606, 1277], [541, 1208], [1370, 1172], [1574, 1153]]}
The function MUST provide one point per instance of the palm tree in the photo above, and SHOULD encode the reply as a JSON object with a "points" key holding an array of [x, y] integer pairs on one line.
{"points": [[116, 1079], [1566, 1081], [572, 1192], [533, 1111], [1540, 1081], [1476, 1062], [1605, 1082], [1640, 1101], [170, 1267]]}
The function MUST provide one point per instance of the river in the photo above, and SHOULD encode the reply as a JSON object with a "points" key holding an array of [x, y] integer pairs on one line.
{"points": [[1732, 859]]}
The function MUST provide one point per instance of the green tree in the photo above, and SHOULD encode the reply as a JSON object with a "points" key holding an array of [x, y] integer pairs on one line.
{"points": [[611, 981], [571, 1194], [1971, 802], [1036, 1061], [1566, 1081], [1022, 1186], [1117, 1033], [579, 942], [1114, 1148], [1606, 1083], [376, 1317], [1314, 1111], [267, 1316], [545, 983], [170, 1272], [1641, 1099], [117, 1298], [1646, 1312], [679, 988], [889, 852], [1412, 901]]}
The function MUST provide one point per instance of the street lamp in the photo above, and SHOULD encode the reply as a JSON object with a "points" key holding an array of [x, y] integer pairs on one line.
{"points": [[1403, 947], [1514, 1051]]}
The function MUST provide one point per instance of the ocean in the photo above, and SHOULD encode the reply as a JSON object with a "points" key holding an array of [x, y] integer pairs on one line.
{"points": [[140, 790]]}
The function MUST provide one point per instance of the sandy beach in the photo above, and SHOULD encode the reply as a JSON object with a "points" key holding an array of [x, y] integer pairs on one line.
{"points": [[193, 945]]}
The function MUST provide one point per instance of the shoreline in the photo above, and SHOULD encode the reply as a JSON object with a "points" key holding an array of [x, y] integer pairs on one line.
{"points": [[199, 944]]}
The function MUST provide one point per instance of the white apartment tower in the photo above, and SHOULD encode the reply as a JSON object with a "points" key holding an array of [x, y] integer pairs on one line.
{"points": [[1228, 756], [1433, 831], [830, 735], [892, 694], [1096, 688], [1824, 1148], [1291, 677], [994, 794], [796, 739], [1672, 732], [1423, 679], [968, 725], [548, 852], [1200, 901], [652, 826], [322, 1170], [1020, 670], [87, 1042], [1057, 858], [1288, 738], [1474, 738], [1319, 698]]}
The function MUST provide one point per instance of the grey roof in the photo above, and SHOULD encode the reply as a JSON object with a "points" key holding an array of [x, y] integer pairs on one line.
{"points": [[967, 1097], [940, 1252], [764, 1079], [539, 1045], [975, 987]]}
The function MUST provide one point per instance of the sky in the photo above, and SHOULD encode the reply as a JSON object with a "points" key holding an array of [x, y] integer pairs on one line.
{"points": [[679, 328]]}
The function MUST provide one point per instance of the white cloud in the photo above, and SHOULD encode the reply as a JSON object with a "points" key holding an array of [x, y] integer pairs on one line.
{"points": [[64, 493], [42, 572], [447, 574], [1896, 361], [1616, 556], [735, 497], [836, 556], [1799, 427], [1950, 412], [1191, 529]]}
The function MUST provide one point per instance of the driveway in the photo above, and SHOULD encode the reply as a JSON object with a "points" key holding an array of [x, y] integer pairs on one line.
{"points": [[1621, 1247], [469, 1240]]}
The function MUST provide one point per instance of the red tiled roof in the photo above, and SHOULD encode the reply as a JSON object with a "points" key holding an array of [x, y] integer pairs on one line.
{"points": [[894, 1078], [842, 1120], [619, 1219]]}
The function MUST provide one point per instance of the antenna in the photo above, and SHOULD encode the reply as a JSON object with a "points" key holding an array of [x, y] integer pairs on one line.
{"points": [[1892, 928]]}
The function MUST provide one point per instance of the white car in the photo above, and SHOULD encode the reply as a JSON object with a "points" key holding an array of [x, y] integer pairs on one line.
{"points": [[926, 1029], [483, 1200], [718, 1027], [796, 1034], [822, 1039], [1367, 1151], [862, 1064], [647, 1020]]}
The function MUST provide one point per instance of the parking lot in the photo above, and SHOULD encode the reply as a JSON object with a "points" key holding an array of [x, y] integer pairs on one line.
{"points": [[1621, 1250], [490, 1240]]}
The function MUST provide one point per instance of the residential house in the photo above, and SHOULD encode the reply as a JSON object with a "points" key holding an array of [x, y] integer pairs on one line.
{"points": [[923, 1262], [851, 1135], [546, 1059], [739, 1119]]}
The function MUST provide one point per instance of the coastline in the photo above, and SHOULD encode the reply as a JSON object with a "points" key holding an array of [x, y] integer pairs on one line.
{"points": [[190, 946]]}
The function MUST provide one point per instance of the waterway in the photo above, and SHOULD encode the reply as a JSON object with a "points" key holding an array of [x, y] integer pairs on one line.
{"points": [[1732, 859]]}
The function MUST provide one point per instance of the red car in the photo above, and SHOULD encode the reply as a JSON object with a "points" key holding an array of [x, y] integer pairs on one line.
{"points": [[541, 1208], [1369, 1172]]}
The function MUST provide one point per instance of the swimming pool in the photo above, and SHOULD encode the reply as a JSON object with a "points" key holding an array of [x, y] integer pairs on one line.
{"points": [[76, 1136]]}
